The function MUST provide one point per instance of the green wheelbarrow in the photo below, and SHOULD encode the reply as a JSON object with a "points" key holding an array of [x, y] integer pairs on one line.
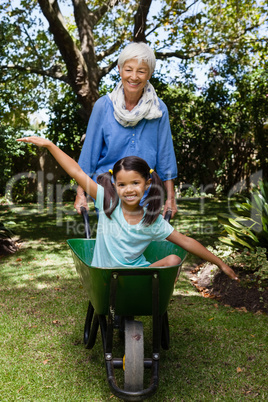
{"points": [[116, 296]]}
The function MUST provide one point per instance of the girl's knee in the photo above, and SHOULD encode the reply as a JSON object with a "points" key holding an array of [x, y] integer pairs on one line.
{"points": [[173, 259]]}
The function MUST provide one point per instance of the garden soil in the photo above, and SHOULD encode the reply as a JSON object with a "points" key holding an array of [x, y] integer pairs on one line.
{"points": [[213, 283]]}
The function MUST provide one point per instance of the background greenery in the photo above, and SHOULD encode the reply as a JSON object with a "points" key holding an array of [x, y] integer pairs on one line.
{"points": [[49, 56], [217, 352], [219, 126]]}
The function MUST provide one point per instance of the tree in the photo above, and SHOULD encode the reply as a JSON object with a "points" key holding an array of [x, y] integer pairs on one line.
{"points": [[43, 44], [220, 133]]}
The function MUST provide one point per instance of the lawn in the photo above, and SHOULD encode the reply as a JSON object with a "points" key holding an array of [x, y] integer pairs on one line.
{"points": [[217, 353]]}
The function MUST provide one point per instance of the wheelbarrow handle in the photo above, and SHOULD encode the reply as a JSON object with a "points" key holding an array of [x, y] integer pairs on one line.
{"points": [[168, 215], [86, 222]]}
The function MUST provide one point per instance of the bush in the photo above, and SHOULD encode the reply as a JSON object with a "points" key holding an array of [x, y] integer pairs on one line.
{"points": [[7, 246], [251, 266], [248, 227], [254, 264]]}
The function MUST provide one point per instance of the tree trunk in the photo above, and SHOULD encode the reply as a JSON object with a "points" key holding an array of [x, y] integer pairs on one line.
{"points": [[83, 72]]}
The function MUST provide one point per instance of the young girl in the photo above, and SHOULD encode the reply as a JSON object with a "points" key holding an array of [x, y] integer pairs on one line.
{"points": [[125, 228]]}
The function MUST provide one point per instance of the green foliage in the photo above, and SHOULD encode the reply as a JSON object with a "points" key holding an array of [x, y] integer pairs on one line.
{"points": [[43, 308], [35, 57], [5, 233], [248, 225], [66, 125], [7, 245], [255, 264], [9, 152], [219, 132]]}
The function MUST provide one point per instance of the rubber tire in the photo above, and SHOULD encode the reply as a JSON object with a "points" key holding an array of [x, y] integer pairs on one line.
{"points": [[91, 327], [134, 356]]}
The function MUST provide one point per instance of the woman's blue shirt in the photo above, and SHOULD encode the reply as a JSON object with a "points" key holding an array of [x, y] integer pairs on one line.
{"points": [[107, 141]]}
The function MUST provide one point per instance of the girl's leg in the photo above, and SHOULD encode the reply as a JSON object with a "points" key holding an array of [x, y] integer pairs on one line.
{"points": [[168, 261]]}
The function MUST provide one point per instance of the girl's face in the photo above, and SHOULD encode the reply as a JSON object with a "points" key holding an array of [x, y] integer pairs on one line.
{"points": [[130, 187]]}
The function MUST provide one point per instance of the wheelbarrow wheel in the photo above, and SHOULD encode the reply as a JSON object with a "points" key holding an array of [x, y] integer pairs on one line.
{"points": [[165, 332], [91, 327], [134, 356]]}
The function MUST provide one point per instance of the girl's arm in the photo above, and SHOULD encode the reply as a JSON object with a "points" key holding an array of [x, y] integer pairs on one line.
{"points": [[194, 247], [67, 163]]}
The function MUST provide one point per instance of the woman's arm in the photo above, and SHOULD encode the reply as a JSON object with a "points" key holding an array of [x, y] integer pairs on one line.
{"points": [[194, 247], [166, 165], [67, 163]]}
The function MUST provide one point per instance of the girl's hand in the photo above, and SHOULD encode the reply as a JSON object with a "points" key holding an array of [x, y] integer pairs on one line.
{"points": [[40, 142], [228, 271]]}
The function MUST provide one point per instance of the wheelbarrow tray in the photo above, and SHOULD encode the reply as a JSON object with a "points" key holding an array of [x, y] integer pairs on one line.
{"points": [[134, 289]]}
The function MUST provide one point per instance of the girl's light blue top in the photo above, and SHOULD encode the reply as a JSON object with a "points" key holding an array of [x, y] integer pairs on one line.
{"points": [[119, 244], [107, 141]]}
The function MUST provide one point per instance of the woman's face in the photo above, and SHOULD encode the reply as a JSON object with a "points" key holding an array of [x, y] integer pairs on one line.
{"points": [[134, 77]]}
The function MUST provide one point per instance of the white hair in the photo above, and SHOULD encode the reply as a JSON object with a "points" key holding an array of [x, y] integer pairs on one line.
{"points": [[139, 51]]}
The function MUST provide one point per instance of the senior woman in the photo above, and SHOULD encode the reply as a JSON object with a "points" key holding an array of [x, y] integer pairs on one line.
{"points": [[131, 120]]}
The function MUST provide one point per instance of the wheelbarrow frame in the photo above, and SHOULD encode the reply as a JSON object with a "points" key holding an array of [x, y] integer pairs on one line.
{"points": [[111, 292]]}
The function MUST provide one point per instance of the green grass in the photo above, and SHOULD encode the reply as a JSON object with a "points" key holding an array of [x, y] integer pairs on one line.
{"points": [[216, 354]]}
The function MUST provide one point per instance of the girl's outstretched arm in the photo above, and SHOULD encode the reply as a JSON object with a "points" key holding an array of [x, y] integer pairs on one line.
{"points": [[67, 163], [194, 247]]}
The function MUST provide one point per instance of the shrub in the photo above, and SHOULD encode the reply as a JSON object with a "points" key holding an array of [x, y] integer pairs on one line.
{"points": [[248, 227], [254, 264], [7, 245]]}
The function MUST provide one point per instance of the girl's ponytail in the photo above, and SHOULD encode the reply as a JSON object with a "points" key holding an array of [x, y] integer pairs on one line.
{"points": [[111, 198], [154, 200]]}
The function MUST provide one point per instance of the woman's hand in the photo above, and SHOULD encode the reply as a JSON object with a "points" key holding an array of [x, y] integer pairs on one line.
{"points": [[80, 200], [40, 142], [170, 205]]}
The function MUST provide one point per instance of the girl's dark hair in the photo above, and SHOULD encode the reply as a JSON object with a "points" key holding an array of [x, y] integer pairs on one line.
{"points": [[153, 201]]}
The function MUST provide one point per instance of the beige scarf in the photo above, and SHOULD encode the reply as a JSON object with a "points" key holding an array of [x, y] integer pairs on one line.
{"points": [[148, 106]]}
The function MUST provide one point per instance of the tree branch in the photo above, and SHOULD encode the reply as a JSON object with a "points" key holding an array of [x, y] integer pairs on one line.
{"points": [[75, 63], [180, 54], [166, 14], [85, 19], [140, 21], [83, 71], [54, 72], [109, 51], [107, 69], [101, 11]]}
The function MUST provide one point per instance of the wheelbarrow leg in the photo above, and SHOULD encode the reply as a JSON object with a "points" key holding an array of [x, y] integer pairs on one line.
{"points": [[165, 339], [134, 355]]}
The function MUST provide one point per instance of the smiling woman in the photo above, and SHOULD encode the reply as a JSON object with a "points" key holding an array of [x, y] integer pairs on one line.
{"points": [[134, 76], [130, 121]]}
